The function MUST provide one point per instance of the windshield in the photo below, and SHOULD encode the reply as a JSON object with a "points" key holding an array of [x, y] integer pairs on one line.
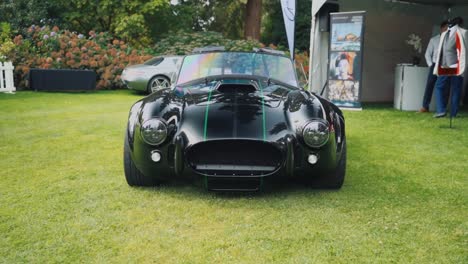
{"points": [[237, 63], [154, 61]]}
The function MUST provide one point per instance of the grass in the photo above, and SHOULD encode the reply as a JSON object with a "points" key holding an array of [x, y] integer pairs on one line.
{"points": [[63, 196]]}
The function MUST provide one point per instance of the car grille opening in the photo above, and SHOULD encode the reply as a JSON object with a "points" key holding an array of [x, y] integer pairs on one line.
{"points": [[234, 158]]}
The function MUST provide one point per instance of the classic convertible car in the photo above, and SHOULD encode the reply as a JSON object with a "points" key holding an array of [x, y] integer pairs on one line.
{"points": [[233, 121]]}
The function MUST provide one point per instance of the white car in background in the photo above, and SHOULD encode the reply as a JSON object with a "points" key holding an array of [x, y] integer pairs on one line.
{"points": [[156, 73]]}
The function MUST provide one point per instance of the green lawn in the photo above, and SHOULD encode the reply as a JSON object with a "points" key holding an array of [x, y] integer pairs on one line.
{"points": [[63, 196]]}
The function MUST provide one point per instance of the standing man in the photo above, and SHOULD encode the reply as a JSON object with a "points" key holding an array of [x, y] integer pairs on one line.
{"points": [[431, 59], [450, 66]]}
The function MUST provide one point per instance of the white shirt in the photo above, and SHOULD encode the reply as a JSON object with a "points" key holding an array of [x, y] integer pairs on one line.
{"points": [[432, 50], [452, 31]]}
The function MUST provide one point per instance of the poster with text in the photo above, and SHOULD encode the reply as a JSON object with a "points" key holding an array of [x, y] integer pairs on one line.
{"points": [[345, 59]]}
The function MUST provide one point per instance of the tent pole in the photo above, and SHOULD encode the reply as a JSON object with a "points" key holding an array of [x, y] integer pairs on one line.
{"points": [[311, 50]]}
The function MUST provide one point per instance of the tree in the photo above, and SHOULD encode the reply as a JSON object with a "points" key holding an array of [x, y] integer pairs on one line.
{"points": [[225, 16], [234, 18], [130, 20], [139, 22], [23, 13], [253, 19]]}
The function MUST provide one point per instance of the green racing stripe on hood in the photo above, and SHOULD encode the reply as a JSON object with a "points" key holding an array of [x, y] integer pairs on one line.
{"points": [[205, 127], [207, 109], [263, 113]]}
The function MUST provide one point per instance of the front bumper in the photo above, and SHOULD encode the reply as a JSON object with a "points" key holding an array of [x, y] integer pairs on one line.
{"points": [[178, 162], [136, 83]]}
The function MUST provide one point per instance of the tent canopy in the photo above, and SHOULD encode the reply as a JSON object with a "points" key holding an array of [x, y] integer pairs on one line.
{"points": [[434, 2], [388, 25]]}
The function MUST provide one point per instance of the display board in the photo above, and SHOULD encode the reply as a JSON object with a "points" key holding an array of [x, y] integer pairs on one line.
{"points": [[345, 59]]}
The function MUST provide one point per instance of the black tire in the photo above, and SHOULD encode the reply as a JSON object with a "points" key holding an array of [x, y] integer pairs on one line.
{"points": [[164, 81], [336, 178], [133, 176]]}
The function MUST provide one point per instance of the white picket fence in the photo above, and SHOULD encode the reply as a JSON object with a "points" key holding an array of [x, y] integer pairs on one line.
{"points": [[7, 83]]}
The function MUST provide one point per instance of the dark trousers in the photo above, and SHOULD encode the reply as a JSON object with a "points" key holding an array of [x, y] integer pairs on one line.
{"points": [[430, 84], [456, 83]]}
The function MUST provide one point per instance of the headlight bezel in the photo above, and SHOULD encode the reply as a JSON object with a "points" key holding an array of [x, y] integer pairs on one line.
{"points": [[319, 122], [145, 137]]}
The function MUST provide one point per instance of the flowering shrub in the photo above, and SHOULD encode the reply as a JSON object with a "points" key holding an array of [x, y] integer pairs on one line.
{"points": [[181, 43], [302, 66], [52, 48]]}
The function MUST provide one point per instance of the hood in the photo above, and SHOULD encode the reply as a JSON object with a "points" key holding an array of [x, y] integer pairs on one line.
{"points": [[239, 109]]}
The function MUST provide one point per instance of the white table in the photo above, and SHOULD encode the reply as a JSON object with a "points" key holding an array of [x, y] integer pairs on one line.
{"points": [[410, 83]]}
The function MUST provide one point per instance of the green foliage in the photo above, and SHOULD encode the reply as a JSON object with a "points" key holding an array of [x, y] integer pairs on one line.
{"points": [[5, 32], [225, 16], [64, 199], [138, 22], [273, 30], [141, 24], [229, 18], [133, 27], [183, 43], [132, 21], [6, 44], [23, 13]]}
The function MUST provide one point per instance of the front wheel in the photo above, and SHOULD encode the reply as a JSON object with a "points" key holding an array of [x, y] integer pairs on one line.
{"points": [[157, 83], [133, 176]]}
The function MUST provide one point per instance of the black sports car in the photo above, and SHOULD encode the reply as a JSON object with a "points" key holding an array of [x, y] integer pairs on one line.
{"points": [[234, 120]]}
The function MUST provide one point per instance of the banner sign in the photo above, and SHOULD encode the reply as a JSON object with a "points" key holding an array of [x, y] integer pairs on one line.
{"points": [[289, 16], [345, 58]]}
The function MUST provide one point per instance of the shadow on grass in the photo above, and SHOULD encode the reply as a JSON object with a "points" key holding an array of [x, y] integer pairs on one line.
{"points": [[453, 127], [454, 123], [84, 92], [191, 190]]}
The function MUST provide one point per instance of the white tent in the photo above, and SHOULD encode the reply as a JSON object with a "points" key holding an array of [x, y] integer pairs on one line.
{"points": [[388, 25]]}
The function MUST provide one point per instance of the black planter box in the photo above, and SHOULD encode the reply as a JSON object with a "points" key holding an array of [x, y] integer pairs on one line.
{"points": [[62, 80]]}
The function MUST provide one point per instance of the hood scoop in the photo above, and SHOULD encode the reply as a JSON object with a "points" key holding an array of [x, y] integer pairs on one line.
{"points": [[236, 88]]}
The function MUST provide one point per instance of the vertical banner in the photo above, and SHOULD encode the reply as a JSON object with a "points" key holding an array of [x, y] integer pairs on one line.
{"points": [[289, 16], [345, 59]]}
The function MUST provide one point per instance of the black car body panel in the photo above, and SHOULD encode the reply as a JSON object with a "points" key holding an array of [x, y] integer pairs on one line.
{"points": [[234, 131]]}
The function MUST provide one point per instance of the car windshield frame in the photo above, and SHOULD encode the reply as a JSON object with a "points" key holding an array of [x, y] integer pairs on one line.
{"points": [[237, 63]]}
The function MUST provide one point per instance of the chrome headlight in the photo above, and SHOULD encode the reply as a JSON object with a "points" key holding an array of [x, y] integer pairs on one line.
{"points": [[316, 133], [154, 131]]}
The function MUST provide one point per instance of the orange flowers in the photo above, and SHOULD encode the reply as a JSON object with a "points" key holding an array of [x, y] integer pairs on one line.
{"points": [[18, 40], [93, 64]]}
